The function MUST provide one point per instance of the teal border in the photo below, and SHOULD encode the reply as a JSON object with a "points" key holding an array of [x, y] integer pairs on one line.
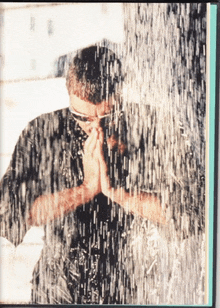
{"points": [[212, 70]]}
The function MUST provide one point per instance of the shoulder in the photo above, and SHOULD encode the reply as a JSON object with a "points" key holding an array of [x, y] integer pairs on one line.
{"points": [[134, 110], [45, 125], [139, 119], [59, 114], [48, 121]]}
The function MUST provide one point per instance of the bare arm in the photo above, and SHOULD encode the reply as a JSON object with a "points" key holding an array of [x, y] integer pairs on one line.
{"points": [[48, 207], [146, 205]]}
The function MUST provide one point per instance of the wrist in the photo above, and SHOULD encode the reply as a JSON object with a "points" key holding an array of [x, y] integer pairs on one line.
{"points": [[89, 191], [108, 192], [115, 194]]}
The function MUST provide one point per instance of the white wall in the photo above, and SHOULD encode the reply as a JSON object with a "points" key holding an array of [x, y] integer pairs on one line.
{"points": [[74, 25]]}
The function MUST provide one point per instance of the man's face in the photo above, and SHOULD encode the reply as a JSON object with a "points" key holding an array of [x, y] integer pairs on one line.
{"points": [[93, 112]]}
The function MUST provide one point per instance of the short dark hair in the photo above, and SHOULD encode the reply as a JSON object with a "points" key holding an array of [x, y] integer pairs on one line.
{"points": [[95, 74]]}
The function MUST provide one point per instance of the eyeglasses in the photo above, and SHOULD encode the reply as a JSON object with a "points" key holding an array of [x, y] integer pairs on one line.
{"points": [[107, 118]]}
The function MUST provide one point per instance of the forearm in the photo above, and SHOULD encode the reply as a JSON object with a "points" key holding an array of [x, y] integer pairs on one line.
{"points": [[49, 207], [146, 205]]}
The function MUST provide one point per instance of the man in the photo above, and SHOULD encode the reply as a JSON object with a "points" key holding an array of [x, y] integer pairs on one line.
{"points": [[70, 172]]}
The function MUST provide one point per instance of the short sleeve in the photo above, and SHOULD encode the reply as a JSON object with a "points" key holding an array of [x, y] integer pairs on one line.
{"points": [[18, 188], [141, 147]]}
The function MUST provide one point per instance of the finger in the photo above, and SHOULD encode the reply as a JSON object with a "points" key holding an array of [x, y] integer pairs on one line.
{"points": [[91, 142], [101, 136], [102, 162], [88, 140], [98, 149], [100, 141]]}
